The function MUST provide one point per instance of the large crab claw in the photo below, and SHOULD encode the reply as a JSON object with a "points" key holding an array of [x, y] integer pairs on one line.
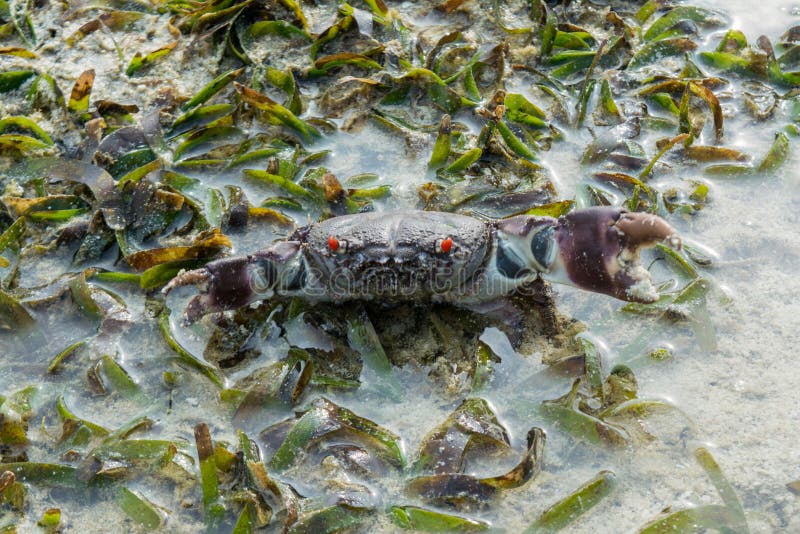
{"points": [[599, 250], [230, 283]]}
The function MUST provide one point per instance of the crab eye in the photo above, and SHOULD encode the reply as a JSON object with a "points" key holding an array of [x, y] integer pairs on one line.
{"points": [[443, 246], [336, 246], [333, 244]]}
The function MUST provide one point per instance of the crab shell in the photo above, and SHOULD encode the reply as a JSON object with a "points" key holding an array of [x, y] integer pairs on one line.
{"points": [[395, 255]]}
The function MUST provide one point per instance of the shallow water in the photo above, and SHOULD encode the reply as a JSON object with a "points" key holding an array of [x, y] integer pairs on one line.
{"points": [[739, 398]]}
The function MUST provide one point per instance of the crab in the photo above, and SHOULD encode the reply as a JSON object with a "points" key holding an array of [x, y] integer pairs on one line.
{"points": [[412, 255]]}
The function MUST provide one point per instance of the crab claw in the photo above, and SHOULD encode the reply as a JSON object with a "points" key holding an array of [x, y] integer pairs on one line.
{"points": [[599, 250], [234, 282], [224, 285]]}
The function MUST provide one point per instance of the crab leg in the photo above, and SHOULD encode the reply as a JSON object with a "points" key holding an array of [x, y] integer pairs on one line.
{"points": [[598, 250], [231, 283]]}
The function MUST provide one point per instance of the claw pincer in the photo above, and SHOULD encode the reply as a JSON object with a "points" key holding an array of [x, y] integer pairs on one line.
{"points": [[440, 257], [599, 248], [230, 283]]}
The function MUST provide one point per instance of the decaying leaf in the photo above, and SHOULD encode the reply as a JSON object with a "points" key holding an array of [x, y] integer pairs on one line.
{"points": [[324, 418], [79, 98]]}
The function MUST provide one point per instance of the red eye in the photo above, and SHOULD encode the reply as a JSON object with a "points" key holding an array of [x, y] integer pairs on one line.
{"points": [[446, 245], [333, 244]]}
